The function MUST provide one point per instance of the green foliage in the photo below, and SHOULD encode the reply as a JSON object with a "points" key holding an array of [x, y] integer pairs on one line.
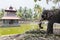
{"points": [[37, 10], [35, 16], [54, 1], [20, 10], [1, 13], [35, 0], [19, 13], [25, 13]]}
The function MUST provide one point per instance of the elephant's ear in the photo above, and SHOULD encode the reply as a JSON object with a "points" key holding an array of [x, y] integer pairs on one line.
{"points": [[49, 15]]}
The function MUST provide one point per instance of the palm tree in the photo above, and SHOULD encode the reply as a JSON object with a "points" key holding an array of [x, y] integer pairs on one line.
{"points": [[20, 12], [1, 13], [37, 10], [25, 13], [20, 9], [30, 13]]}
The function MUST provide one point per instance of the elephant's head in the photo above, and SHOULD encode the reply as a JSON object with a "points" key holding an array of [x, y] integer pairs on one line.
{"points": [[44, 16]]}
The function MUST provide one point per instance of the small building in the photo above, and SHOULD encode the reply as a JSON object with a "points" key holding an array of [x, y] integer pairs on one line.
{"points": [[10, 18]]}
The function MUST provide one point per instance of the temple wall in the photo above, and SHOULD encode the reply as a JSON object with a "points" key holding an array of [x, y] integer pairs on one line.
{"points": [[10, 25], [6, 23]]}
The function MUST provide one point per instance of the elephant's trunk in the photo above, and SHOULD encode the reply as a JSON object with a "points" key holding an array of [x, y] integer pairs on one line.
{"points": [[40, 23]]}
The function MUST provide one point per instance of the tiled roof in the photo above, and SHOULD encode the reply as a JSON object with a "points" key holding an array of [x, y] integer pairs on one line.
{"points": [[10, 9]]}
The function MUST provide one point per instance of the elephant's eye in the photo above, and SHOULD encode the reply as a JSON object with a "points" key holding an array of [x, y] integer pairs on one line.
{"points": [[42, 16]]}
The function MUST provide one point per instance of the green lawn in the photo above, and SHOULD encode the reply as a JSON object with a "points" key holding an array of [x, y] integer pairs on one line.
{"points": [[17, 30], [22, 28]]}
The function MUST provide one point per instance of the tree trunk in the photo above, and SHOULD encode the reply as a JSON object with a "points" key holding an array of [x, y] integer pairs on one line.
{"points": [[50, 28]]}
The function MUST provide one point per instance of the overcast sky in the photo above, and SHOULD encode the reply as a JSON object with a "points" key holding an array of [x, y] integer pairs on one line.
{"points": [[23, 3]]}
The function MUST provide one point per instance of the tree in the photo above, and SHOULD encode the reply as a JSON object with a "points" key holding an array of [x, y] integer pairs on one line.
{"points": [[55, 1], [47, 1], [37, 10], [1, 12], [25, 13], [20, 12], [36, 0], [30, 13]]}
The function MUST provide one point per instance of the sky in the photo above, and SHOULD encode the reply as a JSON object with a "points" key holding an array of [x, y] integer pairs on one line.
{"points": [[24, 3]]}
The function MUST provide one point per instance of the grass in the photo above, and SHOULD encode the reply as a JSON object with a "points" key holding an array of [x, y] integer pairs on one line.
{"points": [[22, 28], [17, 30]]}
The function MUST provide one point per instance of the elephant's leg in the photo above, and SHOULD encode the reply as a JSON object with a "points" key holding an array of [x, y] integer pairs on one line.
{"points": [[50, 28]]}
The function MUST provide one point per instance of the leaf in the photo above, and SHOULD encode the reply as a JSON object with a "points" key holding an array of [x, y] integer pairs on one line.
{"points": [[35, 0], [39, 0], [47, 1], [56, 1]]}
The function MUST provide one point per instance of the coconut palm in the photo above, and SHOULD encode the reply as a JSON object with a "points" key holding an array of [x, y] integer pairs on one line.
{"points": [[37, 10]]}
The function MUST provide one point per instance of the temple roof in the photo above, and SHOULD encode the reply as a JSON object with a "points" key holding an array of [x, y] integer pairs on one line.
{"points": [[10, 9]]}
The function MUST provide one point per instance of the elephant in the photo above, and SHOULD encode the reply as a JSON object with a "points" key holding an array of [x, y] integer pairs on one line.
{"points": [[52, 16]]}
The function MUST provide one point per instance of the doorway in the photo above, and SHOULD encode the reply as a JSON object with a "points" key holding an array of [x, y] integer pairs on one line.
{"points": [[11, 21]]}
